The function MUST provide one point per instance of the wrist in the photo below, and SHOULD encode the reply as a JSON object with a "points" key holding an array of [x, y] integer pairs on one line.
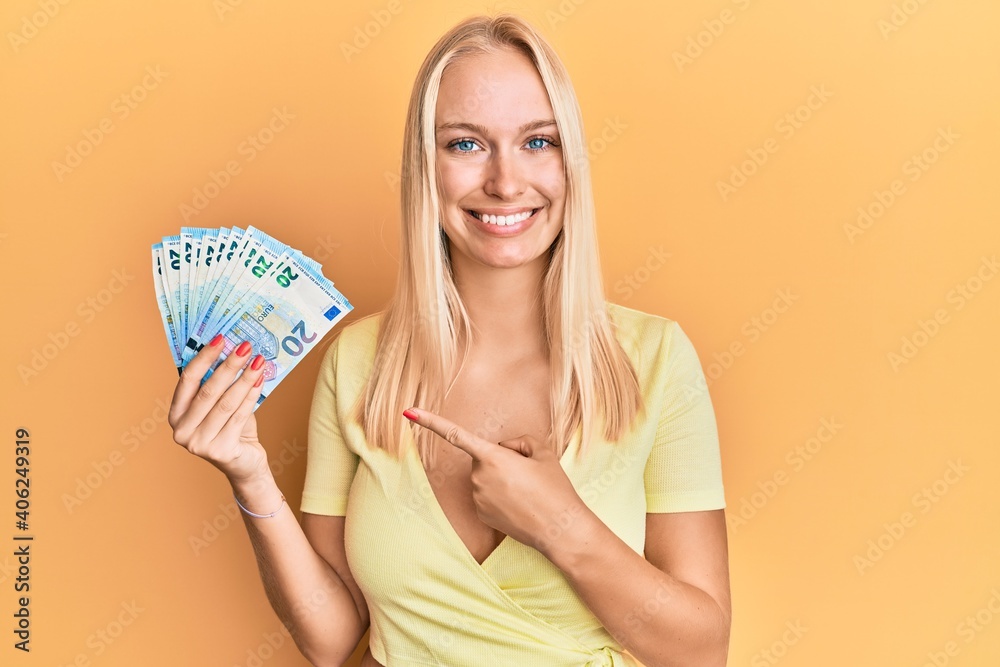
{"points": [[258, 476], [575, 538], [258, 494]]}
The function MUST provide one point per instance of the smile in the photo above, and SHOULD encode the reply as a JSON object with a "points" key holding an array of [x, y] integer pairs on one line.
{"points": [[508, 220]]}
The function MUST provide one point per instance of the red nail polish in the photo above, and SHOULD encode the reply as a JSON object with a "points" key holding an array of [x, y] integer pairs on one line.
{"points": [[215, 341], [257, 362], [244, 349], [410, 414], [259, 381]]}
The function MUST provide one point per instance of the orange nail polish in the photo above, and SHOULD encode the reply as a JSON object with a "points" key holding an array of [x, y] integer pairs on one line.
{"points": [[244, 349], [215, 341], [257, 362]]}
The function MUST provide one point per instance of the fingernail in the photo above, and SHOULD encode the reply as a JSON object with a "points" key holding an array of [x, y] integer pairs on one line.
{"points": [[411, 415], [244, 349], [259, 380], [257, 362], [215, 341]]}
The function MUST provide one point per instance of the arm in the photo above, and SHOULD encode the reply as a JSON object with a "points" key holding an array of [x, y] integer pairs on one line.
{"points": [[305, 575], [671, 608], [306, 586]]}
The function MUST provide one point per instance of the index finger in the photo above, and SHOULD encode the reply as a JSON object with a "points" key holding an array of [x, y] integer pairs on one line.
{"points": [[471, 444]]}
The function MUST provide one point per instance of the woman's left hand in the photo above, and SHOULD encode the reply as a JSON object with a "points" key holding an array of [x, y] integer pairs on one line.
{"points": [[518, 485]]}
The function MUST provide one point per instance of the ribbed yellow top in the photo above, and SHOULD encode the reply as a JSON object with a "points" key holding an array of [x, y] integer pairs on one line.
{"points": [[431, 603]]}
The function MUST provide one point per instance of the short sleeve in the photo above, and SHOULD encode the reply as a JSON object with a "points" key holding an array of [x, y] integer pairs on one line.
{"points": [[684, 469], [330, 464]]}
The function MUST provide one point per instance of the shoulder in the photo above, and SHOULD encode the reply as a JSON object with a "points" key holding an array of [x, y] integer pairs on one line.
{"points": [[356, 338], [361, 333], [351, 350], [662, 354], [641, 332], [630, 317]]}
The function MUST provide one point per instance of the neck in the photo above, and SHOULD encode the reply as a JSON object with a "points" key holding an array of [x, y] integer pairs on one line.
{"points": [[505, 307]]}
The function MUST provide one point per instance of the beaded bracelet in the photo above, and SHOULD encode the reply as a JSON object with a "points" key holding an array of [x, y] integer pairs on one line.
{"points": [[259, 516]]}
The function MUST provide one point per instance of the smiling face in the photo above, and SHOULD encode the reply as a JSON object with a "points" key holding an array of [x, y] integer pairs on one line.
{"points": [[499, 162]]}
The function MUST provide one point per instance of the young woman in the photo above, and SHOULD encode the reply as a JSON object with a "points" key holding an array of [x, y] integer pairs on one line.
{"points": [[556, 496]]}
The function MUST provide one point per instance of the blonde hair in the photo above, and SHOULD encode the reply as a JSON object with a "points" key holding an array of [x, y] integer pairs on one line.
{"points": [[418, 337]]}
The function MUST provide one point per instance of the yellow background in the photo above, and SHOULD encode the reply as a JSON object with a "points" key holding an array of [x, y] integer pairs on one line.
{"points": [[885, 79]]}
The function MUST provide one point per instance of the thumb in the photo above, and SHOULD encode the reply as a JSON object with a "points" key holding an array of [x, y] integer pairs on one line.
{"points": [[525, 445]]}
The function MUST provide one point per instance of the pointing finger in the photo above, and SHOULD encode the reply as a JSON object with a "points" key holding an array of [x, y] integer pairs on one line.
{"points": [[471, 444]]}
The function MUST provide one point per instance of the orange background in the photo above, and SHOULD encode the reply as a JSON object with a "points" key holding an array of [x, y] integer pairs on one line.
{"points": [[885, 80]]}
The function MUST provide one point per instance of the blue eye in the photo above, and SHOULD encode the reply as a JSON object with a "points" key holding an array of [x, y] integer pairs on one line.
{"points": [[465, 145], [538, 143]]}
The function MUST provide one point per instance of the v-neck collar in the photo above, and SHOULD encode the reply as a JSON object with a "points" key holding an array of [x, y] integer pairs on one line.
{"points": [[447, 526]]}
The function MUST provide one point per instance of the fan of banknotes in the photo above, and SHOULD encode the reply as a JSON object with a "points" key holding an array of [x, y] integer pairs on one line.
{"points": [[245, 285]]}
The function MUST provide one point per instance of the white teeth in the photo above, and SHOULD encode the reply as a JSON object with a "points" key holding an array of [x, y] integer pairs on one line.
{"points": [[504, 220]]}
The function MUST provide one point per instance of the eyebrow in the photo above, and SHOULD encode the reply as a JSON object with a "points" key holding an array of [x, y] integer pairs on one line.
{"points": [[527, 127]]}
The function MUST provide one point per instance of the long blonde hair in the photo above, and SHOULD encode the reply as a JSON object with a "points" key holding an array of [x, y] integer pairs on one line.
{"points": [[417, 355]]}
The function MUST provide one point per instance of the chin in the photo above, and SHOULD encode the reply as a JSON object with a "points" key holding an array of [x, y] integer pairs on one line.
{"points": [[509, 262]]}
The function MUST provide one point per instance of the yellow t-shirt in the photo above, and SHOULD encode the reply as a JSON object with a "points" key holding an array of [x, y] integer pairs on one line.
{"points": [[431, 603]]}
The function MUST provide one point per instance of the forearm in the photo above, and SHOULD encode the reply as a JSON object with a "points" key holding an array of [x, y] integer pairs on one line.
{"points": [[660, 620], [306, 593]]}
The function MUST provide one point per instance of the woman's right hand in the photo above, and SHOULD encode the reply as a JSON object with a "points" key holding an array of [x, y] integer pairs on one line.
{"points": [[214, 419]]}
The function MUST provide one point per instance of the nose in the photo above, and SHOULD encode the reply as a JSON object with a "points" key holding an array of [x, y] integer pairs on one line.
{"points": [[504, 179]]}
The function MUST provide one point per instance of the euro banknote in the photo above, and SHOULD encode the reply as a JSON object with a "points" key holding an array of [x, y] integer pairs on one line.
{"points": [[246, 285]]}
